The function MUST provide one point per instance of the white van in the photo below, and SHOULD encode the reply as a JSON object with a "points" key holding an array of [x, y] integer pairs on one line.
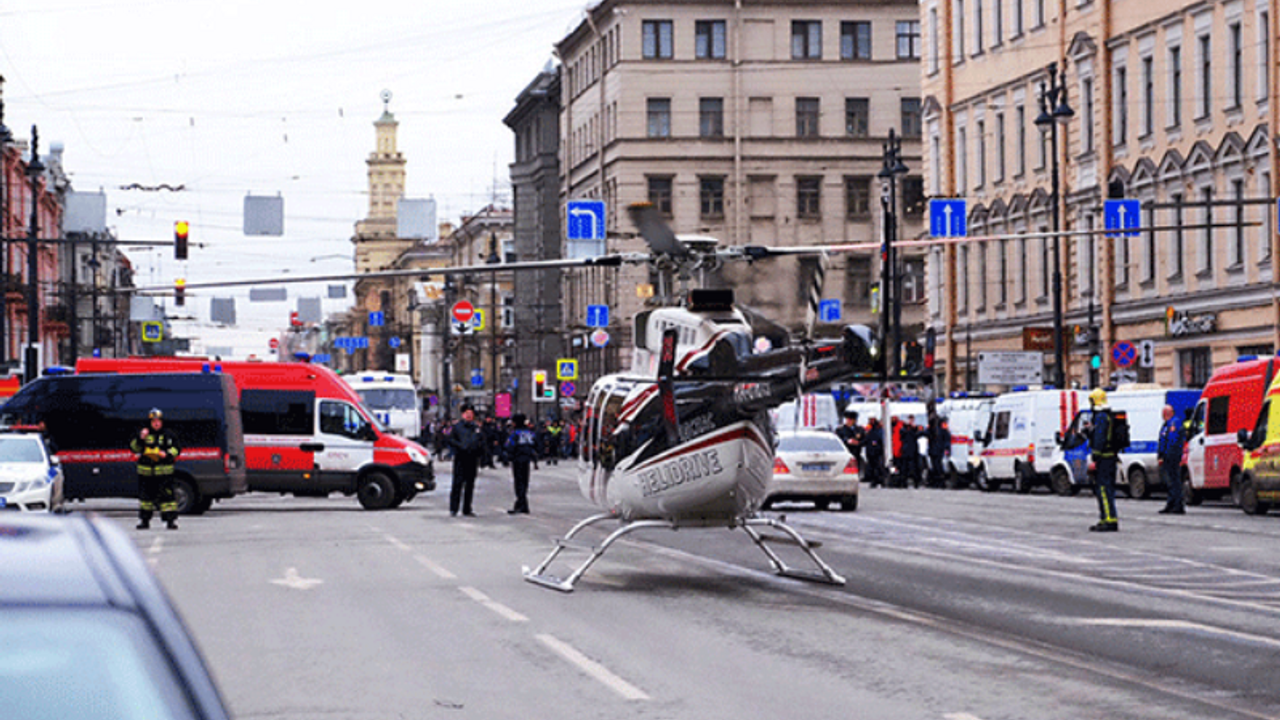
{"points": [[1020, 441], [814, 411], [392, 399], [967, 417]]}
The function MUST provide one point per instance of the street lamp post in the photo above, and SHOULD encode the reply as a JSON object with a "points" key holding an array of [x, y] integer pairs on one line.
{"points": [[1054, 110], [35, 169], [890, 280], [6, 137]]}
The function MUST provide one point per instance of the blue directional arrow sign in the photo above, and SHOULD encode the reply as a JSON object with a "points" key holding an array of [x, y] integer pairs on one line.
{"points": [[376, 318], [394, 342], [597, 316], [477, 378], [584, 220], [829, 311], [948, 218], [1124, 216]]}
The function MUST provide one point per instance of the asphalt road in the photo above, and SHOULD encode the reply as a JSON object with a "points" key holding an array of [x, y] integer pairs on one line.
{"points": [[959, 606]]}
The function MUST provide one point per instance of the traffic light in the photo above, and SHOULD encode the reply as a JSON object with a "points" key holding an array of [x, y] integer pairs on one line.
{"points": [[539, 384], [180, 230], [914, 364], [930, 349], [180, 292]]}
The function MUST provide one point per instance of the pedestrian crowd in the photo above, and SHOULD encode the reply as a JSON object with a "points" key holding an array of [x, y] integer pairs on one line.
{"points": [[867, 443]]}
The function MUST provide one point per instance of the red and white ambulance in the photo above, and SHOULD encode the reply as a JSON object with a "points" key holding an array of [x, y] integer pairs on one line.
{"points": [[1230, 403], [305, 431]]}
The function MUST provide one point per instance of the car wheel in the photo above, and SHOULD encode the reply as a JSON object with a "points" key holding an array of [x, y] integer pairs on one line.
{"points": [[1249, 498], [1189, 494], [983, 480], [849, 503], [1023, 480], [186, 496], [376, 492], [1060, 482], [822, 503], [953, 478], [1236, 490], [203, 506], [1138, 487]]}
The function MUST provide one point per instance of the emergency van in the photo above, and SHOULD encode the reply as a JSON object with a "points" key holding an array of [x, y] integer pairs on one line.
{"points": [[1137, 467], [966, 418], [89, 422], [1021, 437], [1259, 483], [305, 431], [813, 411], [1229, 403], [393, 400]]}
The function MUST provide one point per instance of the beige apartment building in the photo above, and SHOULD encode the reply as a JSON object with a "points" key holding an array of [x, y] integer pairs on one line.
{"points": [[1172, 106], [752, 122]]}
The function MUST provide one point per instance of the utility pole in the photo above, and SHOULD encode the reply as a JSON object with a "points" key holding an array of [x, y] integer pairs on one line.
{"points": [[34, 170], [6, 137], [493, 259]]}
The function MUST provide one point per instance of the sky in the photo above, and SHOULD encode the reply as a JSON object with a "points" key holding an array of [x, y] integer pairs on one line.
{"points": [[229, 98]]}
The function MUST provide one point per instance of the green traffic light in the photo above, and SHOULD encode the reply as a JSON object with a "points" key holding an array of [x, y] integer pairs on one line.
{"points": [[1095, 362]]}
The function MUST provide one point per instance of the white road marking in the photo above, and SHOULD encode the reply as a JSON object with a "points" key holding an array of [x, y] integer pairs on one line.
{"points": [[493, 605], [396, 543], [961, 716], [1159, 624], [439, 570], [294, 581], [156, 545], [593, 668]]}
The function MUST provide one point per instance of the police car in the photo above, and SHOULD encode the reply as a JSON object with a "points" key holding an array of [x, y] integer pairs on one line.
{"points": [[30, 475]]}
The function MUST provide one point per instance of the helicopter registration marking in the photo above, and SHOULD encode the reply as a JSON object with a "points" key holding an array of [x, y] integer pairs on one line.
{"points": [[684, 469]]}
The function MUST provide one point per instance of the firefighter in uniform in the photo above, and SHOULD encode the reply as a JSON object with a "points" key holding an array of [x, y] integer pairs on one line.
{"points": [[1104, 462], [157, 451]]}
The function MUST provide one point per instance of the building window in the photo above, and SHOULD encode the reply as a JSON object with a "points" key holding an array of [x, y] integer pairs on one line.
{"points": [[806, 39], [911, 122], [807, 111], [908, 39], [1000, 145], [1237, 65], [1045, 264], [1122, 106], [659, 111], [935, 164], [1206, 235], [962, 158], [1175, 86], [1264, 55], [709, 39], [1179, 241], [1268, 224], [1206, 77], [1039, 13], [711, 196], [1019, 20], [1003, 287], [1023, 263], [809, 197], [933, 40], [857, 113], [660, 194], [858, 281], [1149, 255], [913, 282], [857, 198], [1148, 96], [1196, 365], [957, 20], [980, 130], [962, 302], [913, 199], [656, 42], [1237, 232], [1020, 117], [977, 27], [855, 41], [1086, 131], [982, 276], [711, 117]]}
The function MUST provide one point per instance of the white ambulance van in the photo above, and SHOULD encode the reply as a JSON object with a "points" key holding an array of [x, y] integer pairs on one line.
{"points": [[392, 399], [814, 411], [1020, 441], [967, 417]]}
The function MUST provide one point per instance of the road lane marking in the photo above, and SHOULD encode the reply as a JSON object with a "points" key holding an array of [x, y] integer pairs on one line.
{"points": [[294, 581], [439, 570], [156, 545], [592, 668], [1193, 627], [493, 605], [397, 544], [960, 716]]}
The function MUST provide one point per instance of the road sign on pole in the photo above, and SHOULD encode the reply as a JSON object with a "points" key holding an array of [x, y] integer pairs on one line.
{"points": [[1124, 353], [567, 389], [1123, 216], [152, 332], [1147, 354], [829, 311], [377, 319], [584, 220], [462, 311], [597, 316], [948, 218], [566, 369], [1010, 368]]}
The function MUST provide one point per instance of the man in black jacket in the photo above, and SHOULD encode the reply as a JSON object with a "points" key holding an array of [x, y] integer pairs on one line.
{"points": [[467, 445], [939, 449]]}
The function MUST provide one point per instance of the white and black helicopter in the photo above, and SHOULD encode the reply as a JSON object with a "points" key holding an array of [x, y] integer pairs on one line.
{"points": [[683, 440]]}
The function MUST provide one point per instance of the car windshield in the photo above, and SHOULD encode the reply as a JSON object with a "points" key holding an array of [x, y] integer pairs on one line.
{"points": [[387, 398], [89, 664], [20, 450], [810, 443]]}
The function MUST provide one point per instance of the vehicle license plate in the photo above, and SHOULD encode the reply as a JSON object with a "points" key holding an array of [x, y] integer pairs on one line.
{"points": [[815, 467]]}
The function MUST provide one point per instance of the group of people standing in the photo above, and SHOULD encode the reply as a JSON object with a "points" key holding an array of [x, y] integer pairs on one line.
{"points": [[867, 444], [516, 443]]}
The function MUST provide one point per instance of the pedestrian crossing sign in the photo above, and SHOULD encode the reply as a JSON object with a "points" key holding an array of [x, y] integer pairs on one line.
{"points": [[566, 369]]}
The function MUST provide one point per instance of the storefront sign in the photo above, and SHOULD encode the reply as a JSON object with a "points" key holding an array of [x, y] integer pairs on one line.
{"points": [[1040, 339], [1182, 324]]}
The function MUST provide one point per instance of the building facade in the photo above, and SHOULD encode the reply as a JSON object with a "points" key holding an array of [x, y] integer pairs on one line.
{"points": [[751, 122], [1172, 106]]}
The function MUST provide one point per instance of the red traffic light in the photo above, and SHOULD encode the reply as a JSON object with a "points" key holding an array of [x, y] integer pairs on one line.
{"points": [[180, 231], [180, 292]]}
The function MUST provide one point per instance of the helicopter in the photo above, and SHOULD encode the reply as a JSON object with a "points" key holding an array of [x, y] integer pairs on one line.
{"points": [[684, 439]]}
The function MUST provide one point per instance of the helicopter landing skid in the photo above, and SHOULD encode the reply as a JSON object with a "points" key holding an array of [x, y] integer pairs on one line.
{"points": [[539, 576]]}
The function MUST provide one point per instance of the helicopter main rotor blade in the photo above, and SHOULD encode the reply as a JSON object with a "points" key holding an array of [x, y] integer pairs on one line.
{"points": [[655, 230]]}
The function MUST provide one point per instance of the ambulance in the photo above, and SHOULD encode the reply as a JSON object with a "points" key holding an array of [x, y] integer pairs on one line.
{"points": [[305, 431], [1229, 403], [1259, 482], [1021, 438], [967, 416], [393, 400]]}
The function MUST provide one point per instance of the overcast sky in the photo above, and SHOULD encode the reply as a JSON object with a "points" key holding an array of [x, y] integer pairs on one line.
{"points": [[228, 97]]}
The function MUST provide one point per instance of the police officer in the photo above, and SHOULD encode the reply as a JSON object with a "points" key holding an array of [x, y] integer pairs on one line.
{"points": [[1104, 462], [873, 444], [467, 444], [852, 434], [522, 449], [939, 449], [1169, 455], [157, 451]]}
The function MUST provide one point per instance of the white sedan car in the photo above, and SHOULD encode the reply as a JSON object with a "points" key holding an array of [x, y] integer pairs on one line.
{"points": [[30, 478], [812, 465]]}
